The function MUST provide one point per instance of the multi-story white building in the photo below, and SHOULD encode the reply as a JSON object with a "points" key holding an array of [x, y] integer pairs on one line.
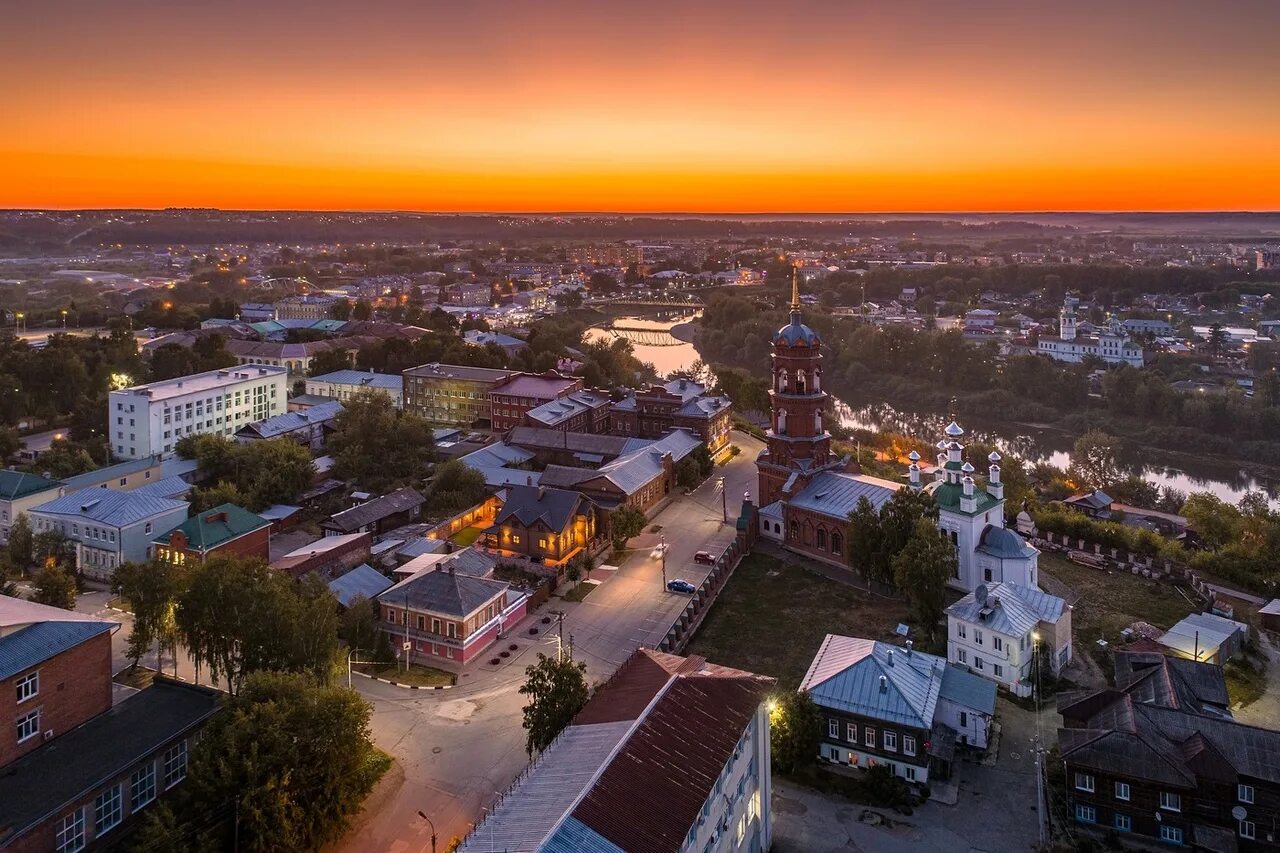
{"points": [[996, 631], [1112, 344], [345, 384], [148, 420], [108, 527], [671, 753]]}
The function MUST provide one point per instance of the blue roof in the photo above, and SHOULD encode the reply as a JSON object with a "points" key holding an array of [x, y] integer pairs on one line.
{"points": [[286, 422], [175, 488], [965, 688], [846, 675], [574, 836], [796, 333], [118, 509], [362, 580], [1005, 544], [368, 379], [837, 494], [34, 644]]}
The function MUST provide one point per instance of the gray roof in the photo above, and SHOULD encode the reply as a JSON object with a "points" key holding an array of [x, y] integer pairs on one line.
{"points": [[528, 505], [498, 455], [846, 675], [1009, 608], [968, 690], [363, 378], [558, 411], [704, 407], [458, 371], [118, 509], [444, 592], [39, 641], [42, 783], [353, 519], [540, 438], [1005, 544], [174, 488], [111, 472], [287, 422], [362, 580], [836, 494]]}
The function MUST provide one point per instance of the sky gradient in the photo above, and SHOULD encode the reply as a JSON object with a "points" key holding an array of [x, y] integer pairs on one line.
{"points": [[553, 105]]}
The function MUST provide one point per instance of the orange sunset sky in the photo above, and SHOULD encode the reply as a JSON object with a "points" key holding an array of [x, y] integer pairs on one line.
{"points": [[549, 105]]}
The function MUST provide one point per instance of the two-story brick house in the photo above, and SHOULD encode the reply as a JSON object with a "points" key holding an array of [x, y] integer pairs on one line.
{"points": [[680, 403], [225, 528], [510, 400], [74, 768], [547, 525], [883, 705], [1158, 758]]}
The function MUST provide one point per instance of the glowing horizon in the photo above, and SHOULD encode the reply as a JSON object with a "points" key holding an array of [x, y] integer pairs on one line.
{"points": [[727, 107]]}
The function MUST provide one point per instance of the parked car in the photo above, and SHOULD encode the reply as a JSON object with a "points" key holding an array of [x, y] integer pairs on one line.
{"points": [[705, 558], [684, 586]]}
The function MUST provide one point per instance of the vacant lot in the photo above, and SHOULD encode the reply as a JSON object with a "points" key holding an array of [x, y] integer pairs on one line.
{"points": [[1111, 601], [772, 616]]}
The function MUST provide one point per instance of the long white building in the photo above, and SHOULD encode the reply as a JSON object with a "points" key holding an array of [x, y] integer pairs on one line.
{"points": [[147, 420], [1112, 344]]}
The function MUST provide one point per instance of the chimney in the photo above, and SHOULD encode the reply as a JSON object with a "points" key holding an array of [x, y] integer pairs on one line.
{"points": [[909, 648], [528, 481], [884, 684], [542, 491], [890, 657]]}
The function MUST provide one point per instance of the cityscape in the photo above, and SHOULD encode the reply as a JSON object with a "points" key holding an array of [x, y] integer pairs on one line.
{"points": [[627, 429]]}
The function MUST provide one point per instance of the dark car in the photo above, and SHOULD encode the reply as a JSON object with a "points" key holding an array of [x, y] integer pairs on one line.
{"points": [[678, 585], [705, 558]]}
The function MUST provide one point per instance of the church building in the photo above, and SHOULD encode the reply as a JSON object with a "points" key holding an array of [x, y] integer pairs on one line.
{"points": [[806, 493]]}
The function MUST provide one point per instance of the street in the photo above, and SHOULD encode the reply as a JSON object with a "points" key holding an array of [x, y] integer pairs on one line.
{"points": [[459, 748]]}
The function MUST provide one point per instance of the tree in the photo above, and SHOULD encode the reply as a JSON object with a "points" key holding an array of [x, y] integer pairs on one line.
{"points": [[216, 495], [51, 547], [328, 361], [359, 624], [1215, 521], [921, 570], [625, 523], [794, 732], [212, 454], [56, 587], [361, 311], [1094, 461], [875, 538], [152, 590], [376, 446], [283, 790], [21, 541], [340, 310], [1217, 339], [557, 690], [273, 472], [455, 487], [64, 459], [10, 443]]}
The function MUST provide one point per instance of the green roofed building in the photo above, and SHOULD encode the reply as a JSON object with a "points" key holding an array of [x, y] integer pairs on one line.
{"points": [[225, 528], [19, 492]]}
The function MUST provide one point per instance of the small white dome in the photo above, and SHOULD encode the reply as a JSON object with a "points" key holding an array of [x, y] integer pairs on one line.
{"points": [[954, 430]]}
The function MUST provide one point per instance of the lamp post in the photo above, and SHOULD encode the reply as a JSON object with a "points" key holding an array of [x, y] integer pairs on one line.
{"points": [[662, 546], [433, 830], [724, 500], [64, 319]]}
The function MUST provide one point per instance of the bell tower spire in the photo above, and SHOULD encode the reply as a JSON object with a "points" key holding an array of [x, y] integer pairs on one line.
{"points": [[795, 290]]}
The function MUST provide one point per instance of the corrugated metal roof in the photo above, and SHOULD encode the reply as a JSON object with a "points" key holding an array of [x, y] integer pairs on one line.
{"points": [[363, 378], [105, 506], [110, 472], [966, 689], [1014, 610], [528, 504], [36, 643], [215, 526], [18, 484], [287, 422], [444, 592], [174, 488], [846, 675], [837, 494], [362, 580]]}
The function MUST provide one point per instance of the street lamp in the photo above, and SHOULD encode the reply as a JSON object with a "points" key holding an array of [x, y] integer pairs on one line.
{"points": [[433, 830], [724, 499], [662, 546]]}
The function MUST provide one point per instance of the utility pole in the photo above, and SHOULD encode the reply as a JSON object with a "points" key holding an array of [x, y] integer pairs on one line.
{"points": [[571, 646], [405, 648], [559, 614], [662, 540], [724, 500]]}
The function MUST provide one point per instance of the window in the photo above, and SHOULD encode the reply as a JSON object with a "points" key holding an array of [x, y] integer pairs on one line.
{"points": [[961, 631], [978, 662], [1172, 834], [71, 832], [822, 538], [977, 636], [1244, 793], [29, 685], [107, 810], [175, 764], [997, 670], [1123, 823], [997, 643], [1084, 782], [909, 744], [869, 736], [1169, 801], [1086, 814], [1122, 790], [1248, 830], [891, 741], [833, 728], [962, 656], [29, 725], [147, 528], [142, 786], [911, 774], [851, 732]]}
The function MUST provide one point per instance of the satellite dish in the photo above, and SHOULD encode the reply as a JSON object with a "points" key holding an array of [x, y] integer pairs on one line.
{"points": [[1239, 813], [981, 594]]}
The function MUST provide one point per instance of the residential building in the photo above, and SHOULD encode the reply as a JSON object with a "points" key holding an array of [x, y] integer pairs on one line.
{"points": [[508, 344], [1157, 758], [680, 403], [121, 477], [671, 753], [548, 526], [581, 411], [256, 312], [147, 420], [306, 307], [363, 581], [226, 529], [20, 492], [883, 705], [1111, 344], [451, 394], [1205, 637], [997, 630], [376, 514], [441, 617], [1158, 328], [344, 384], [557, 447], [641, 479], [108, 527], [980, 318], [74, 768], [511, 399], [309, 427], [471, 295], [329, 556]]}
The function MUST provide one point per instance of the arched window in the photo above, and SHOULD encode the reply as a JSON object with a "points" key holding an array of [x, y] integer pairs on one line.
{"points": [[795, 532], [822, 538], [782, 421], [799, 381], [782, 381], [837, 543], [816, 383]]}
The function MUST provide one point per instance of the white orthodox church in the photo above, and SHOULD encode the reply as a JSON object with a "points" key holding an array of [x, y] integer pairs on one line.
{"points": [[1112, 344]]}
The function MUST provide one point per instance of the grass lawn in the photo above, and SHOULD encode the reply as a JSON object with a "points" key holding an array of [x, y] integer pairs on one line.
{"points": [[579, 592], [1246, 681], [772, 616], [1111, 601], [466, 536], [422, 676], [140, 678]]}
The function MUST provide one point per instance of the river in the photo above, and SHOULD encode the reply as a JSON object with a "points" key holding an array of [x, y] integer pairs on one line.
{"points": [[652, 342]]}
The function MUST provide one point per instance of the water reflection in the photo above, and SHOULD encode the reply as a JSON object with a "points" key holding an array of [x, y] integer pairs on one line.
{"points": [[651, 340]]}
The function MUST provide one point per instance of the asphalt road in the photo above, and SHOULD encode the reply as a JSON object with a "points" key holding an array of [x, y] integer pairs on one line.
{"points": [[459, 748]]}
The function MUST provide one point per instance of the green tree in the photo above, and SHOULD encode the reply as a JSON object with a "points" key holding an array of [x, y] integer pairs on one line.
{"points": [[921, 570], [794, 732], [374, 445], [361, 311], [21, 541], [273, 472], [64, 459], [340, 310], [152, 590], [875, 538], [212, 453], [865, 539], [625, 523], [329, 361], [52, 547], [1094, 460], [10, 443], [218, 494], [557, 691], [359, 628], [1215, 521], [455, 487], [56, 587], [1217, 340]]}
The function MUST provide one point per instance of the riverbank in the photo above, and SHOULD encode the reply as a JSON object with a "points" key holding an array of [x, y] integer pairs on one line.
{"points": [[684, 331]]}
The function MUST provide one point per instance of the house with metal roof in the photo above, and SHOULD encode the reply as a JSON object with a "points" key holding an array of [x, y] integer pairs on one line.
{"points": [[122, 476], [546, 525], [225, 528], [1003, 631], [884, 705], [344, 384], [19, 492], [363, 581], [670, 754], [309, 426], [376, 514], [108, 527], [1205, 637]]}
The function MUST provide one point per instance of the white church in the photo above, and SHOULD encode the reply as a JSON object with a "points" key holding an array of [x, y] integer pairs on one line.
{"points": [[1112, 344]]}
